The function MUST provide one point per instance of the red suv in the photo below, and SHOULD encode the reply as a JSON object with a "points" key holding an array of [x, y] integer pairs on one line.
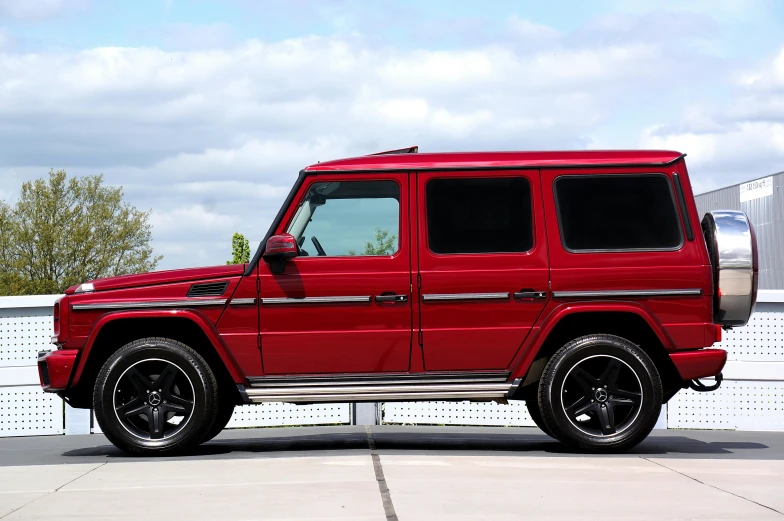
{"points": [[581, 282]]}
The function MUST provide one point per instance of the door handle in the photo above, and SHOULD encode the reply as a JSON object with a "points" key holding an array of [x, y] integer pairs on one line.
{"points": [[530, 294], [391, 297]]}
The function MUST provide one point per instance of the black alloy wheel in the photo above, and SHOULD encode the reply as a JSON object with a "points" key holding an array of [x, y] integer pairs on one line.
{"points": [[605, 404], [153, 399], [155, 396], [600, 393]]}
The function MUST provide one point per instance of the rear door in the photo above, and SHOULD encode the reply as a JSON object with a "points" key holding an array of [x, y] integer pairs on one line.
{"points": [[344, 304], [483, 268]]}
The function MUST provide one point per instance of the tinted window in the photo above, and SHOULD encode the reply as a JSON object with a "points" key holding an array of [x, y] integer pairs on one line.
{"points": [[615, 212], [348, 218], [479, 215]]}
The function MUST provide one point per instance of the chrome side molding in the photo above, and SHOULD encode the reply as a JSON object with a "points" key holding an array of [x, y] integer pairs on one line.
{"points": [[315, 300], [432, 297], [632, 293], [182, 303]]}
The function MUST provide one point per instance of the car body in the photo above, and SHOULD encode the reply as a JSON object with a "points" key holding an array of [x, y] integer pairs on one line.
{"points": [[488, 270]]}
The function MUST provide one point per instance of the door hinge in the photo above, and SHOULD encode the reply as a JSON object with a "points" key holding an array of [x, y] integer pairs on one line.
{"points": [[420, 338], [258, 285], [419, 281], [258, 341]]}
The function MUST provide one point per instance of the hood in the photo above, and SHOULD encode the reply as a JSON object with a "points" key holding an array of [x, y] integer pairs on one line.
{"points": [[164, 277]]}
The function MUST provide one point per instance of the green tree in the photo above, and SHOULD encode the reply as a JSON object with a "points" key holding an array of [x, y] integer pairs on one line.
{"points": [[64, 231], [385, 244], [240, 249]]}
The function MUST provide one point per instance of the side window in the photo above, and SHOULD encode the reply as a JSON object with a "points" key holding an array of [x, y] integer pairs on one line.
{"points": [[484, 215], [348, 218], [617, 212]]}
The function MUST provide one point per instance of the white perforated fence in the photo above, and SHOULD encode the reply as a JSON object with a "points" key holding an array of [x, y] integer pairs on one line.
{"points": [[458, 413], [25, 329], [751, 398]]}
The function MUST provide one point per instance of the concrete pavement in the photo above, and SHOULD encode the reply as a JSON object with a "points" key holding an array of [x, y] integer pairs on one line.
{"points": [[396, 472]]}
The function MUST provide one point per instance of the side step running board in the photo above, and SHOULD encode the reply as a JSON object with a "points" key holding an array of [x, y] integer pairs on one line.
{"points": [[389, 388]]}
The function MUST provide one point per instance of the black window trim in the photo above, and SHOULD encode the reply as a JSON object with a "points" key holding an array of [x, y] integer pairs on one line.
{"points": [[506, 176], [618, 250], [313, 179], [682, 205]]}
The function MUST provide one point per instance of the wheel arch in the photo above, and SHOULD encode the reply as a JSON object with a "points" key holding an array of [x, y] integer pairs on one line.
{"points": [[627, 320], [114, 330]]}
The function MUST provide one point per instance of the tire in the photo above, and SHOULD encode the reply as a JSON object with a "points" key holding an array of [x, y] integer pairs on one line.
{"points": [[600, 393], [532, 404], [223, 415], [155, 396]]}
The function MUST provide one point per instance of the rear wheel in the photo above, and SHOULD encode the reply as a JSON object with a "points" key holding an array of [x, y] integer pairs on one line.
{"points": [[155, 396], [600, 393]]}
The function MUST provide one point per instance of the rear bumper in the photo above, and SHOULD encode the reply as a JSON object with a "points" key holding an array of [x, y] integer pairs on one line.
{"points": [[699, 363], [55, 367]]}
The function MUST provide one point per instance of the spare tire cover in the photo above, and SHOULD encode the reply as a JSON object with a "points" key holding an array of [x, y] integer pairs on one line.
{"points": [[732, 245]]}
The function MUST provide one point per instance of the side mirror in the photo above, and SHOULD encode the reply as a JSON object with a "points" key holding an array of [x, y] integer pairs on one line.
{"points": [[278, 249], [283, 246]]}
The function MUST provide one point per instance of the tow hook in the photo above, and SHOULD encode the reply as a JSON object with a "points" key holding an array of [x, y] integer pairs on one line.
{"points": [[700, 387]]}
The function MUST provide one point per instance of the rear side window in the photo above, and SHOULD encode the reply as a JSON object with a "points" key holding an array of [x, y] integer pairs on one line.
{"points": [[479, 215], [617, 212]]}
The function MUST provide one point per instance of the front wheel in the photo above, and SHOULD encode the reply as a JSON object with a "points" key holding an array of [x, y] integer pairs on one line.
{"points": [[600, 393], [155, 396], [532, 404], [225, 411]]}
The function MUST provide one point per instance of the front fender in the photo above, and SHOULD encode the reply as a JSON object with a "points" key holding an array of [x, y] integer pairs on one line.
{"points": [[533, 344], [194, 316]]}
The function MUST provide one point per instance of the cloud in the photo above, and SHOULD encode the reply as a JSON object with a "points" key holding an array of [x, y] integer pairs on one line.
{"points": [[529, 30], [38, 9], [211, 138], [733, 10], [734, 141]]}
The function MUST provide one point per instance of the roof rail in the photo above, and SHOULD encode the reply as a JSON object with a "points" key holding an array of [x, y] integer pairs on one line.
{"points": [[407, 150]]}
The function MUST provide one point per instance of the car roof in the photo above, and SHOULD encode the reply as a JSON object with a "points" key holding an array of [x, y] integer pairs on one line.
{"points": [[411, 160]]}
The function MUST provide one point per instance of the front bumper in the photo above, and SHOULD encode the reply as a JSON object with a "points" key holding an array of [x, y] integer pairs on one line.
{"points": [[55, 368], [699, 363]]}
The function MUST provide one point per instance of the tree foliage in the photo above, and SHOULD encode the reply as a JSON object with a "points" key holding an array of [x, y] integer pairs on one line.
{"points": [[63, 231], [240, 249], [385, 244]]}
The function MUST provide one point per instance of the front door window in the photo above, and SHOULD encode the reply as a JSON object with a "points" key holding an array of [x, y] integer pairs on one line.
{"points": [[348, 218]]}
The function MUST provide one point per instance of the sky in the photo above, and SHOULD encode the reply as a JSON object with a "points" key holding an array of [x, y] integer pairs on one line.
{"points": [[204, 111]]}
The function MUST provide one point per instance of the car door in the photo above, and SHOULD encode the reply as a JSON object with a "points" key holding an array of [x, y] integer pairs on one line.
{"points": [[343, 305], [483, 268]]}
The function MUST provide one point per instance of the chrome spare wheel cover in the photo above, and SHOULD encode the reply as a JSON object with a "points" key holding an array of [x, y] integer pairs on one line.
{"points": [[732, 245]]}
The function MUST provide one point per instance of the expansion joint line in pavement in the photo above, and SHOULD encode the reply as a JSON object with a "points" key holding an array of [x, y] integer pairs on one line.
{"points": [[55, 490], [386, 499], [715, 487]]}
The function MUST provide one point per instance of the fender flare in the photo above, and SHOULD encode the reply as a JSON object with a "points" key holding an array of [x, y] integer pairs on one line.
{"points": [[522, 362], [194, 316]]}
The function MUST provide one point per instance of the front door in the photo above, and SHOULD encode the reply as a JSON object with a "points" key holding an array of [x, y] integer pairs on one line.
{"points": [[343, 305], [483, 266]]}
